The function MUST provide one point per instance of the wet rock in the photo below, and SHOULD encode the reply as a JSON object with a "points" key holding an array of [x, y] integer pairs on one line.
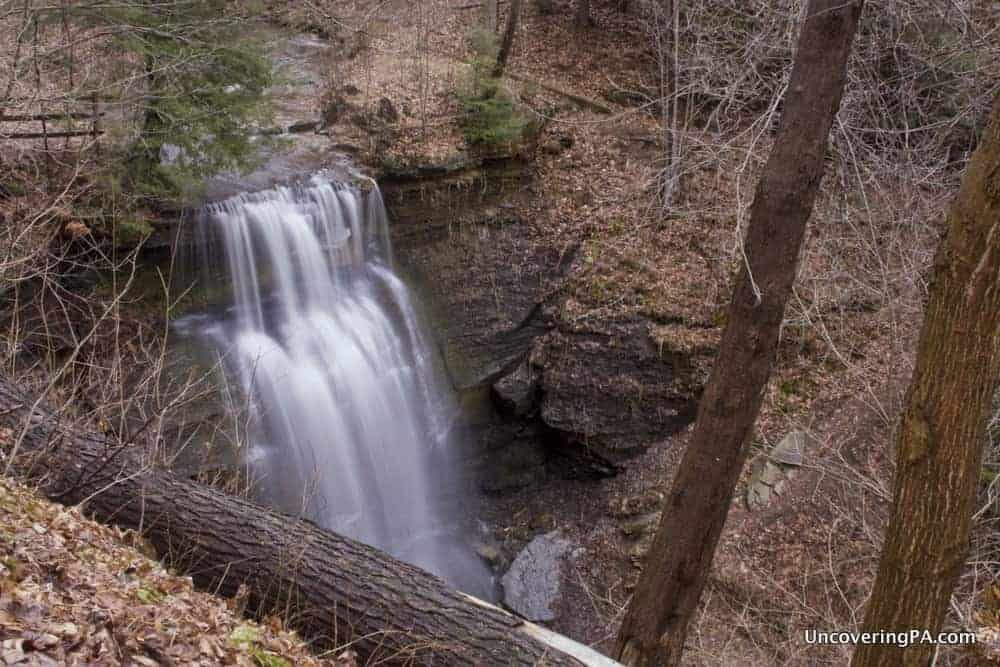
{"points": [[491, 284], [489, 553], [610, 392], [532, 584], [516, 395], [481, 270], [513, 463]]}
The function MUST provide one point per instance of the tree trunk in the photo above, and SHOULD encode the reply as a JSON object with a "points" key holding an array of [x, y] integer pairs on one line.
{"points": [[940, 442], [491, 17], [655, 623], [336, 589], [581, 18], [507, 42], [668, 47]]}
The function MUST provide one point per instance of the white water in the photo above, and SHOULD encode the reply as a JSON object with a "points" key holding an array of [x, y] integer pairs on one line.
{"points": [[351, 418]]}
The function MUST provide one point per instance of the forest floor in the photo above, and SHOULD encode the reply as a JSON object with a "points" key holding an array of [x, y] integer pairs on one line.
{"points": [[75, 592]]}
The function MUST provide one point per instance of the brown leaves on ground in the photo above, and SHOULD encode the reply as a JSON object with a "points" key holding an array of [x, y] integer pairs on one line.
{"points": [[73, 592]]}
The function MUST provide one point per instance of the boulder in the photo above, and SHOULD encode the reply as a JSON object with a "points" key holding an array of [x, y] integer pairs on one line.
{"points": [[790, 450], [531, 586], [769, 473]]}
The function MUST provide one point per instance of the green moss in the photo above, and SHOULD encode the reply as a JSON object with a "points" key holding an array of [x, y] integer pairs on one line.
{"points": [[130, 232], [149, 596], [262, 658], [12, 188], [206, 82]]}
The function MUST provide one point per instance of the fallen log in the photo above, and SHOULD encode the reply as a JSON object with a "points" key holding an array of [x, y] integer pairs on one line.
{"points": [[333, 589], [32, 117], [579, 100], [51, 135]]}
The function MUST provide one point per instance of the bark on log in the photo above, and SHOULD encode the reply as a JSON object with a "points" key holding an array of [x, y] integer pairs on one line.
{"points": [[69, 115], [336, 589], [52, 135]]}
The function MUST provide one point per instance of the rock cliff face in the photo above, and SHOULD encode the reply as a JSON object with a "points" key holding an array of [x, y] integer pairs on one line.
{"points": [[491, 281], [483, 272]]}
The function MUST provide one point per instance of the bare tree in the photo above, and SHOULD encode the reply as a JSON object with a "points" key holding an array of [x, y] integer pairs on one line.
{"points": [[664, 24], [507, 42], [940, 442], [655, 624], [582, 18]]}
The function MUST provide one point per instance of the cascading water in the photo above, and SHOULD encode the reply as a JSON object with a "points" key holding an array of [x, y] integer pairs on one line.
{"points": [[352, 423]]}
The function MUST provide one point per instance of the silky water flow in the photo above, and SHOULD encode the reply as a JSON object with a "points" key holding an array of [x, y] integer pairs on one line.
{"points": [[352, 420]]}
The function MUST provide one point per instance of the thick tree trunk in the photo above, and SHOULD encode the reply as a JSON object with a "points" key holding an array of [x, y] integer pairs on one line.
{"points": [[940, 441], [655, 624], [507, 42], [336, 589]]}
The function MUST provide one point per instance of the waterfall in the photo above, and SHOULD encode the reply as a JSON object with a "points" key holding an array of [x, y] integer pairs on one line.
{"points": [[351, 417]]}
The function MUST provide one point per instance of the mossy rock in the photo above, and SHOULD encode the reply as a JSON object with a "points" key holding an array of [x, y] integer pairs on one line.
{"points": [[130, 232]]}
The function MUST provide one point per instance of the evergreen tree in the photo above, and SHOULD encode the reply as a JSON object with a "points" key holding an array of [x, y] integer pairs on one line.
{"points": [[202, 93]]}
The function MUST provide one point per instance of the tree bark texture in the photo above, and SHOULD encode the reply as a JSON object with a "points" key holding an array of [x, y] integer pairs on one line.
{"points": [[507, 41], [655, 624], [940, 440], [333, 589]]}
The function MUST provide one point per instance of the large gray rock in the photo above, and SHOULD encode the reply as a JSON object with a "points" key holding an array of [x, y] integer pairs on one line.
{"points": [[531, 585], [790, 451], [769, 473]]}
